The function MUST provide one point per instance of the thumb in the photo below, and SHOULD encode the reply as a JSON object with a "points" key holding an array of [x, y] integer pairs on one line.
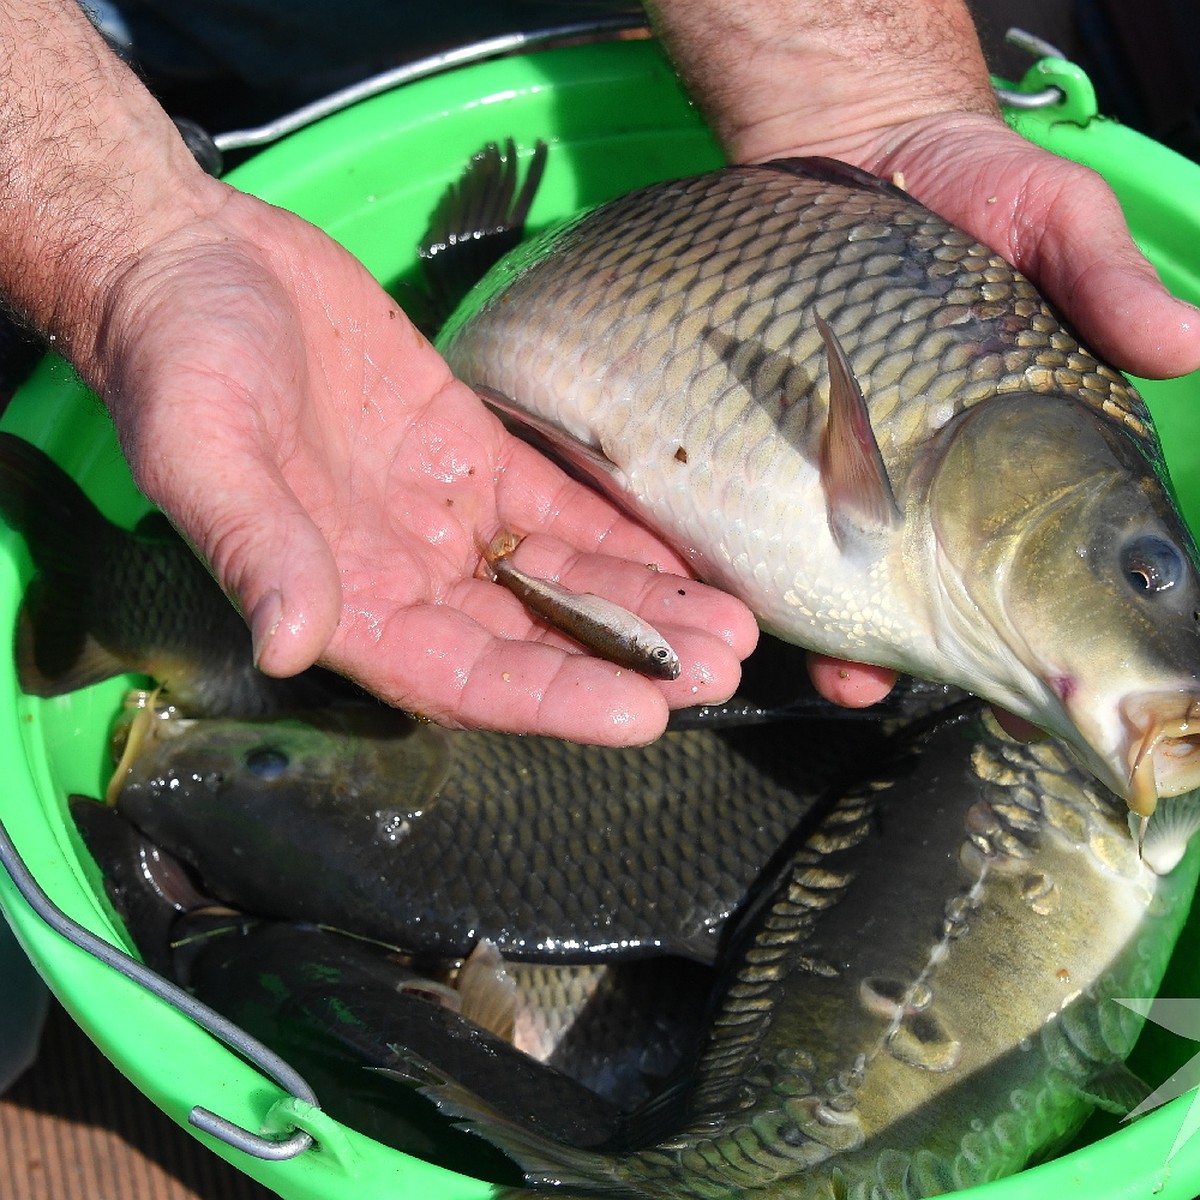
{"points": [[240, 515]]}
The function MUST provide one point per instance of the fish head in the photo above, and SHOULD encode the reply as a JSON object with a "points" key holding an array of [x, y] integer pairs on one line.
{"points": [[324, 756], [1054, 526]]}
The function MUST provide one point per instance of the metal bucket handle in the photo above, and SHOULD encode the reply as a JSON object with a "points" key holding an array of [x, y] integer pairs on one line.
{"points": [[269, 1063]]}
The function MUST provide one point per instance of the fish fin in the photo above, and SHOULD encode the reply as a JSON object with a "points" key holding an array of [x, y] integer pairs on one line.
{"points": [[833, 170], [488, 993], [499, 548], [432, 991], [477, 221], [147, 887], [661, 1116], [54, 653], [544, 1161], [1114, 1089], [583, 462], [48, 508], [1164, 837], [858, 492], [64, 532]]}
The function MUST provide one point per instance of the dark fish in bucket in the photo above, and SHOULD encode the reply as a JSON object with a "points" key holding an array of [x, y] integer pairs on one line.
{"points": [[873, 430], [107, 600], [927, 1001], [361, 818]]}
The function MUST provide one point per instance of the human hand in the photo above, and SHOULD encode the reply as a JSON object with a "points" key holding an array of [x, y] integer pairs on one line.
{"points": [[315, 449], [302, 435]]}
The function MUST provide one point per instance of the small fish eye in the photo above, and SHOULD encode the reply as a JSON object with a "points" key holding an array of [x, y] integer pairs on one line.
{"points": [[661, 653], [266, 762], [1152, 564]]}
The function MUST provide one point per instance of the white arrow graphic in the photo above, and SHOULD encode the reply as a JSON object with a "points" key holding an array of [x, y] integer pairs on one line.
{"points": [[1182, 1017]]}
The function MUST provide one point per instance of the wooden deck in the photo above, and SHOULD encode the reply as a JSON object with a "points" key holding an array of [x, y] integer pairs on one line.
{"points": [[73, 1128]]}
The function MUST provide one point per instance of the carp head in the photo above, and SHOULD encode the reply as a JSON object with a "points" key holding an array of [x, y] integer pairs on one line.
{"points": [[1051, 523]]}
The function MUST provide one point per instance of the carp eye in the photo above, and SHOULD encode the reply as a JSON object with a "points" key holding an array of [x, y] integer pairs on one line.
{"points": [[1152, 564], [267, 763]]}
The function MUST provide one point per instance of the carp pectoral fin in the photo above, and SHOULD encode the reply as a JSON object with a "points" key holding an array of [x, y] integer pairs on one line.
{"points": [[544, 1160], [833, 170], [858, 492], [54, 655], [580, 461], [1115, 1089], [1163, 838]]}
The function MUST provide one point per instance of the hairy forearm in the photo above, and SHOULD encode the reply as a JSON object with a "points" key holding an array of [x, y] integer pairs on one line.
{"points": [[91, 170], [773, 75]]}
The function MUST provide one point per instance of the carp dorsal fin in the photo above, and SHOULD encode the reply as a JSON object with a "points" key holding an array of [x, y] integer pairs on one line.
{"points": [[858, 492], [478, 220], [586, 463]]}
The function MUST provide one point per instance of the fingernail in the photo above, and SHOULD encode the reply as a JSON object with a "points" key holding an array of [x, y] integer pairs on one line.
{"points": [[264, 620]]}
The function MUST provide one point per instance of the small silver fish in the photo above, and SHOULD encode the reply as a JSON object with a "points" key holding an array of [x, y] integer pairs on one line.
{"points": [[603, 627]]}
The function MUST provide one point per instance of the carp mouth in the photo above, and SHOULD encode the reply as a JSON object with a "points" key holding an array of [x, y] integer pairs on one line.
{"points": [[1164, 747]]}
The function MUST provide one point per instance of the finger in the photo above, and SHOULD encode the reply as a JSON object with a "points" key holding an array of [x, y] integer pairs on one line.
{"points": [[852, 685], [436, 661], [1084, 258]]}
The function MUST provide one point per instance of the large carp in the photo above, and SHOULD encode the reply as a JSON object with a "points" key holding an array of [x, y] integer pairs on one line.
{"points": [[873, 430]]}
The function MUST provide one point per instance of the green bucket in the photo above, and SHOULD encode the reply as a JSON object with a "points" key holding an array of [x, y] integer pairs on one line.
{"points": [[370, 175]]}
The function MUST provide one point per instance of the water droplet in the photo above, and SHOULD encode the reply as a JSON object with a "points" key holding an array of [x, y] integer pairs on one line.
{"points": [[920, 997], [393, 826]]}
